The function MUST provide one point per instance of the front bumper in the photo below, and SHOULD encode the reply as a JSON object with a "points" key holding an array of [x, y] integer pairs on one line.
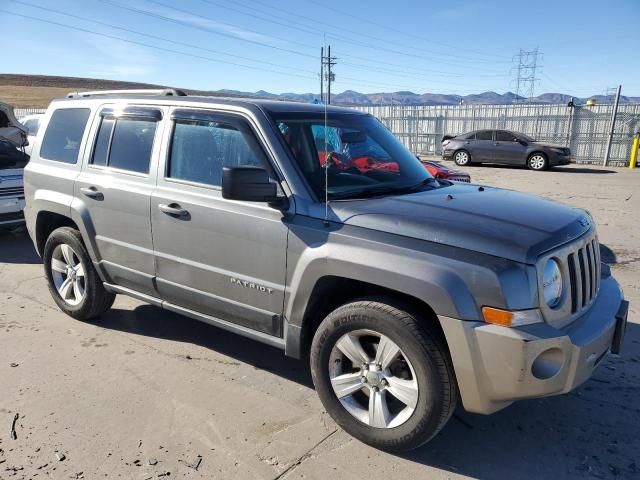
{"points": [[447, 154], [496, 365]]}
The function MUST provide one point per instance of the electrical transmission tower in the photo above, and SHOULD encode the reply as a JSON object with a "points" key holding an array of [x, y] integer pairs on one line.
{"points": [[327, 62], [526, 69]]}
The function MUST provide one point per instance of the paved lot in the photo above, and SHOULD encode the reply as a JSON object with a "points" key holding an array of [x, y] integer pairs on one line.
{"points": [[144, 392]]}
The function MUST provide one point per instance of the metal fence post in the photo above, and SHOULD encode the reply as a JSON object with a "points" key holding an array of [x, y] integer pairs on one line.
{"points": [[613, 126]]}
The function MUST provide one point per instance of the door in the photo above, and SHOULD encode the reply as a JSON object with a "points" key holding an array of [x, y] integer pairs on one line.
{"points": [[115, 190], [222, 258], [482, 147], [508, 148]]}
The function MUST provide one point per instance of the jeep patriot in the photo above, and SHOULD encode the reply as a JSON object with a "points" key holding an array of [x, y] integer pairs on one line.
{"points": [[314, 230]]}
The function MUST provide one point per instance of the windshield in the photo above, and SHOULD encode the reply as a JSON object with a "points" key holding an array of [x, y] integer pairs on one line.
{"points": [[363, 158]]}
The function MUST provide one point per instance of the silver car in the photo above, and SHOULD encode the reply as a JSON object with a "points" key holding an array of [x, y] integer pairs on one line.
{"points": [[317, 232]]}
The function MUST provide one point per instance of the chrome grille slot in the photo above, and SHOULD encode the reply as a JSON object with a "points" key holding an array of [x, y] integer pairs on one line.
{"points": [[583, 278], [572, 282]]}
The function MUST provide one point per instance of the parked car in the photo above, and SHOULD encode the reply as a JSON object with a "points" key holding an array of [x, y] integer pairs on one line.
{"points": [[503, 146], [13, 137], [440, 170], [407, 294], [32, 124]]}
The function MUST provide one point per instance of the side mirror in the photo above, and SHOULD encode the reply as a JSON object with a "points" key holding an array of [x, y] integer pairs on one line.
{"points": [[250, 184]]}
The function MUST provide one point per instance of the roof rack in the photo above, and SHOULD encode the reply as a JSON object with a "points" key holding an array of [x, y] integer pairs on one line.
{"points": [[169, 92]]}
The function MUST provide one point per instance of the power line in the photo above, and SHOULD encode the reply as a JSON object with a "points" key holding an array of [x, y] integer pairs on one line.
{"points": [[342, 37], [156, 37], [315, 22], [204, 29], [155, 47], [403, 32]]}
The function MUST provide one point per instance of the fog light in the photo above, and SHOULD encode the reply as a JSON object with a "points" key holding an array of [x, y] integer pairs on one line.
{"points": [[548, 364]]}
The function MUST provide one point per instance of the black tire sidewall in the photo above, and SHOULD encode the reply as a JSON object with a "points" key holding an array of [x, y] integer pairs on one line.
{"points": [[66, 235], [425, 420]]}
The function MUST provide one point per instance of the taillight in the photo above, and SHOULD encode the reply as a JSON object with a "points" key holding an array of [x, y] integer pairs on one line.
{"points": [[445, 143]]}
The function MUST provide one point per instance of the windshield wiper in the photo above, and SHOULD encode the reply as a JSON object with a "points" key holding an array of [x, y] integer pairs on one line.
{"points": [[385, 189]]}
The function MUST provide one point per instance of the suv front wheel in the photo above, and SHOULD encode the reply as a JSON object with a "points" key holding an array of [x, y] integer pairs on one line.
{"points": [[383, 376], [73, 281]]}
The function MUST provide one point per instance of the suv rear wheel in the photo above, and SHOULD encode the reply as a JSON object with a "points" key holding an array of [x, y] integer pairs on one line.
{"points": [[73, 282], [383, 377]]}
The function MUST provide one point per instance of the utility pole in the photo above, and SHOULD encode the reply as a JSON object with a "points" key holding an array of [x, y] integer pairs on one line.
{"points": [[322, 74], [526, 73], [613, 126], [325, 72]]}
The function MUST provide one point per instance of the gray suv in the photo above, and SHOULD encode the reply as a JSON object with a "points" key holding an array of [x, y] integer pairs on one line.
{"points": [[319, 233], [503, 146]]}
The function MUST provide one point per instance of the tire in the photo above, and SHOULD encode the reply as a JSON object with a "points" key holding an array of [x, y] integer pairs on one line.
{"points": [[538, 161], [85, 296], [462, 158], [422, 363]]}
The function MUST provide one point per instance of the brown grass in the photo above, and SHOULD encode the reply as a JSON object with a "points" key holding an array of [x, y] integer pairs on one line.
{"points": [[23, 96]]}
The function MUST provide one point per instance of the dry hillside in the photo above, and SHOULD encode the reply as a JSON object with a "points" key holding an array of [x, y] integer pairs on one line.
{"points": [[39, 90]]}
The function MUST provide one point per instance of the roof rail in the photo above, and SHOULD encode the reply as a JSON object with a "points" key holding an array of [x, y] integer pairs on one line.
{"points": [[170, 92]]}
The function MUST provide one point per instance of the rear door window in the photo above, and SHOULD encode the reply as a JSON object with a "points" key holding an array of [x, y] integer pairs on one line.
{"points": [[64, 134], [125, 144], [484, 135]]}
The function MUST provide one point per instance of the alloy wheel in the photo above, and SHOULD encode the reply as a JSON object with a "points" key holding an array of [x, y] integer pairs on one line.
{"points": [[537, 162], [68, 274], [462, 158], [373, 379]]}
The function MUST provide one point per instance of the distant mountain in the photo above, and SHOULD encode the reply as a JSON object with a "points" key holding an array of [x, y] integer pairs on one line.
{"points": [[41, 89]]}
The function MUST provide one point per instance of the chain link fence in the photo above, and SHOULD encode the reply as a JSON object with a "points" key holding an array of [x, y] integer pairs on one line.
{"points": [[23, 112], [584, 129]]}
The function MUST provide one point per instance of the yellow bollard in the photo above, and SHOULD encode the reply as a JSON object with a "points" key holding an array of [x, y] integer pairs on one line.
{"points": [[634, 151]]}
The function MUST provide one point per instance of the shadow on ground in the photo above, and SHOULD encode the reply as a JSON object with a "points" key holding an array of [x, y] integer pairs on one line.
{"points": [[16, 247], [152, 321]]}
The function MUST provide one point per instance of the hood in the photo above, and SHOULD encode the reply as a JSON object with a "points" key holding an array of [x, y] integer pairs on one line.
{"points": [[497, 222]]}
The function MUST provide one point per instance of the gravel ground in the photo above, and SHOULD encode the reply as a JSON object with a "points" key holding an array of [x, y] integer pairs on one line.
{"points": [[147, 394]]}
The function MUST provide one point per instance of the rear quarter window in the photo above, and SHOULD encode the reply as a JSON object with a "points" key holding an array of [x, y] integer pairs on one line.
{"points": [[64, 133]]}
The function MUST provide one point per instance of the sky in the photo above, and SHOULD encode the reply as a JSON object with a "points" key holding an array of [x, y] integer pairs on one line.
{"points": [[452, 47]]}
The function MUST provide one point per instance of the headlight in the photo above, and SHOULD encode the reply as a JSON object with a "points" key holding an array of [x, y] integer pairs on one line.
{"points": [[552, 283]]}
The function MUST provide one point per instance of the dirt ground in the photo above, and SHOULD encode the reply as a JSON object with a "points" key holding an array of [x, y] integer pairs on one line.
{"points": [[144, 393]]}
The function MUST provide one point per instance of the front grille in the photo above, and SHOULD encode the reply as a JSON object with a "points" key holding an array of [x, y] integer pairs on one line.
{"points": [[579, 262], [459, 179], [12, 191], [584, 274]]}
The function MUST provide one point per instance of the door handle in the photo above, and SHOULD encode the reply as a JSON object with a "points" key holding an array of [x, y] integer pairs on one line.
{"points": [[92, 192], [173, 209]]}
